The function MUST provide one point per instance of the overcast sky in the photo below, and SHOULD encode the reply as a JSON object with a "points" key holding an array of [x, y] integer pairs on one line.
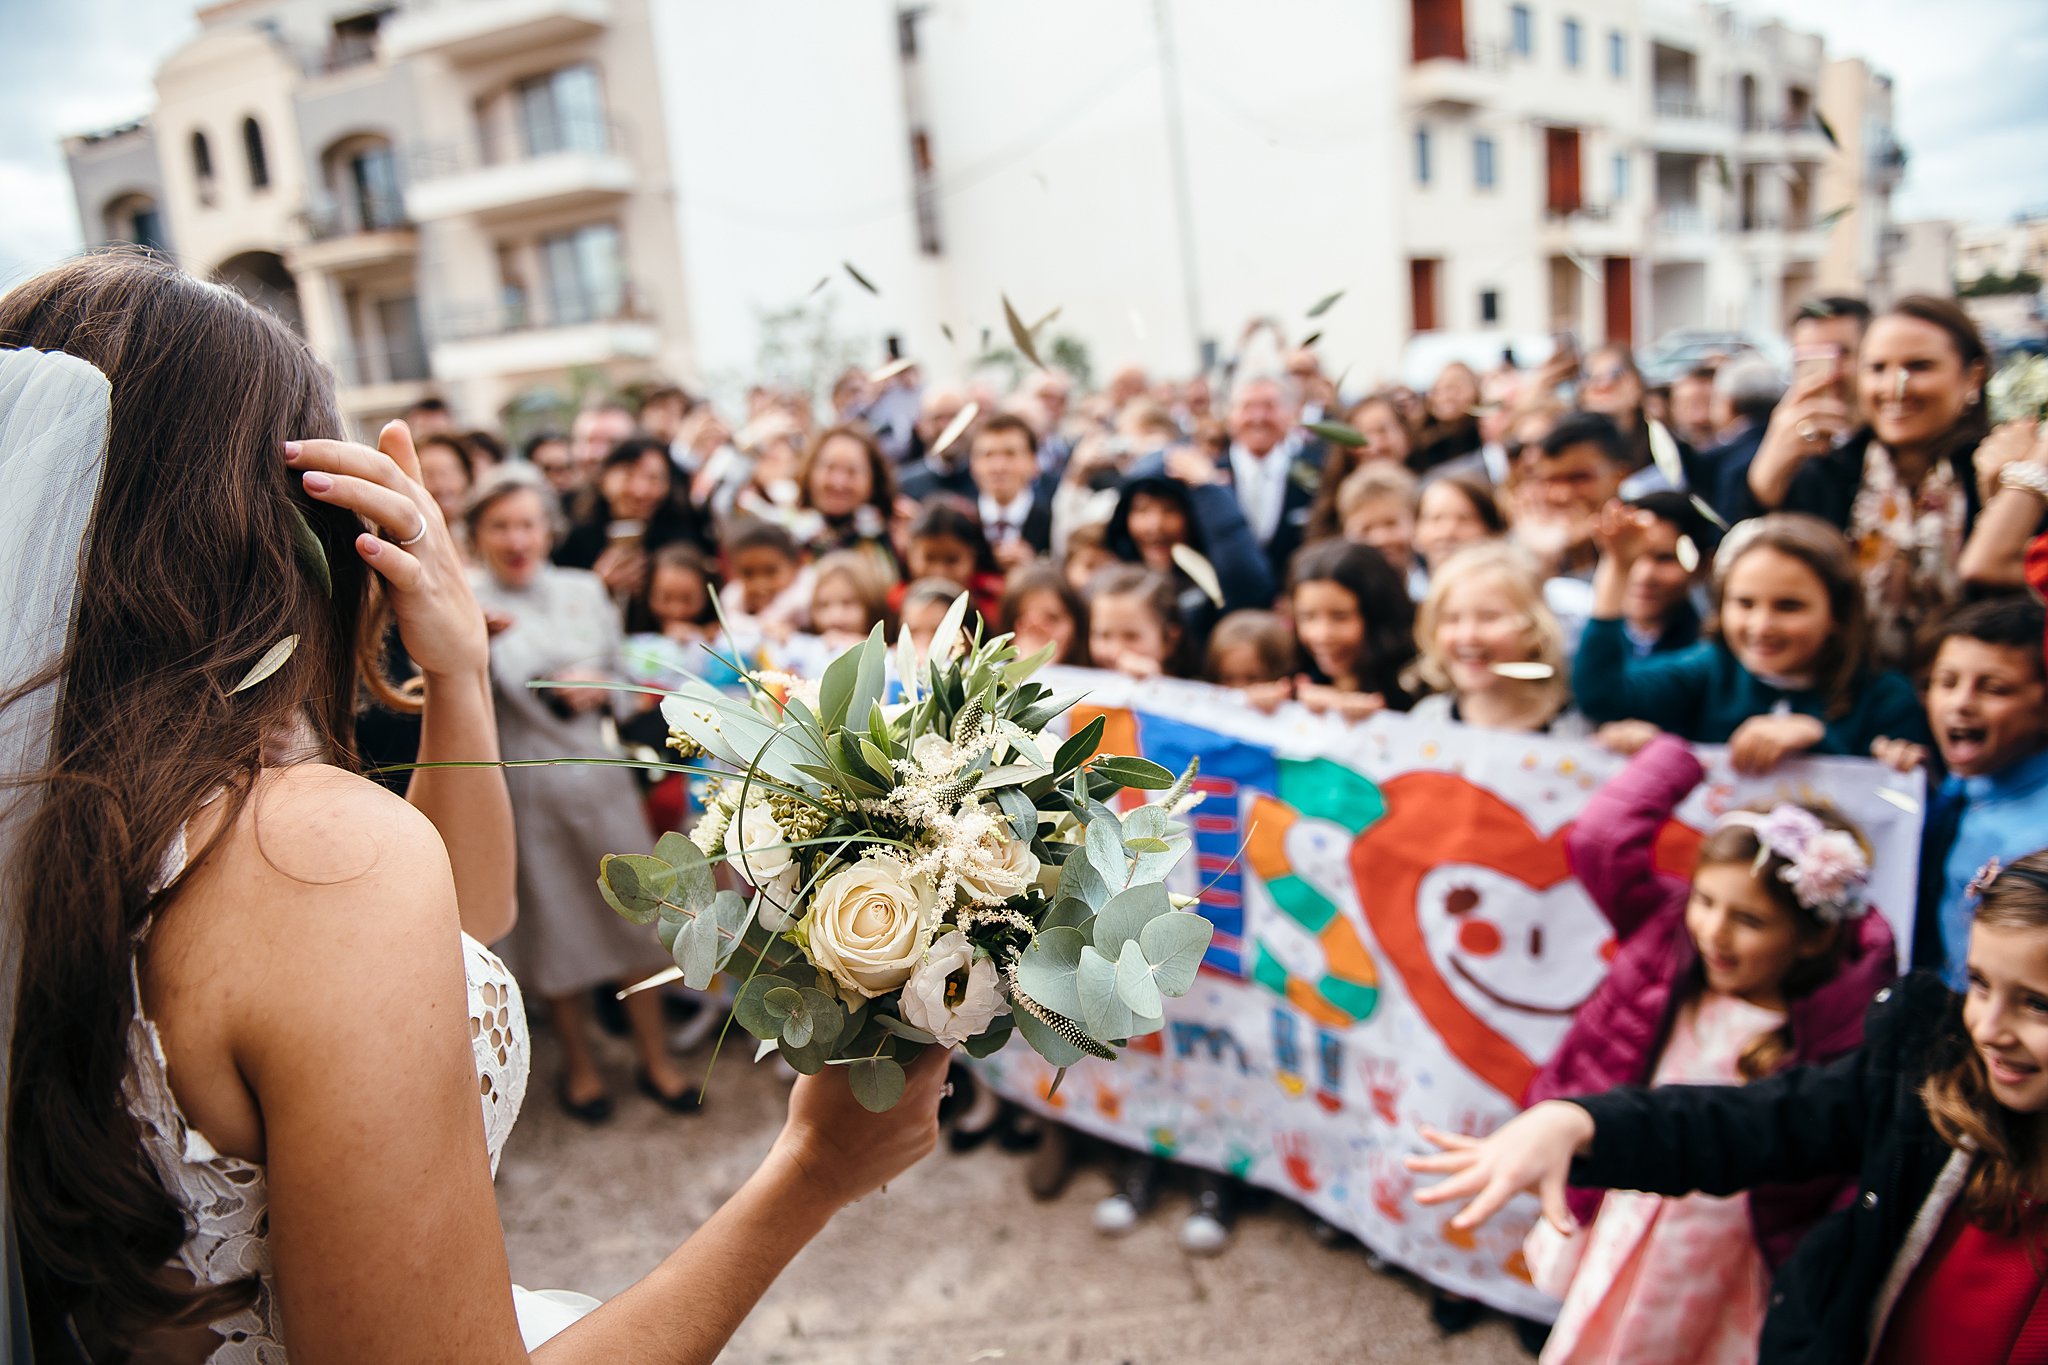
{"points": [[1971, 102]]}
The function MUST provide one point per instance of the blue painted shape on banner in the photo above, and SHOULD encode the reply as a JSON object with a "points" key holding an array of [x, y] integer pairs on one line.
{"points": [[1228, 765]]}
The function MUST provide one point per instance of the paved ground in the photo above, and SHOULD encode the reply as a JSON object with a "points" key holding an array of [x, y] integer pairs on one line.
{"points": [[955, 1264]]}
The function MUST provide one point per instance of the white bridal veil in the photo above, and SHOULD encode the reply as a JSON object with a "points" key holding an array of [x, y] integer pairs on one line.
{"points": [[55, 411]]}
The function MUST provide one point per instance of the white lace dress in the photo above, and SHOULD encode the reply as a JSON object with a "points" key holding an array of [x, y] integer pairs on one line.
{"points": [[226, 1203]]}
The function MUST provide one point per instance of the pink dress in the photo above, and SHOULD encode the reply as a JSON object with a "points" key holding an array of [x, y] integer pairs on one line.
{"points": [[1666, 1281]]}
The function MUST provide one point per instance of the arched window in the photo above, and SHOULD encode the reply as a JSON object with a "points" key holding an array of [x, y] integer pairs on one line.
{"points": [[202, 159], [252, 143]]}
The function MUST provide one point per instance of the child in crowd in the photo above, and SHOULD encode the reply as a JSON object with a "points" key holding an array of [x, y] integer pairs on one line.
{"points": [[762, 564], [1490, 648], [946, 541], [1253, 652], [925, 603], [1087, 554], [1658, 614], [1134, 622], [677, 604], [1938, 1116], [1039, 608], [1766, 959], [1455, 510], [1356, 625], [1376, 506], [849, 598], [1987, 702], [1784, 669]]}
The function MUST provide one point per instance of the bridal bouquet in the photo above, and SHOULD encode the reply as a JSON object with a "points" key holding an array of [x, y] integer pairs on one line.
{"points": [[928, 872]]}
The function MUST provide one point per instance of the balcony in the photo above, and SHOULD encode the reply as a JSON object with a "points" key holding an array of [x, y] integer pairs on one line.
{"points": [[521, 336], [349, 239], [469, 31], [566, 167], [381, 379], [1681, 123], [1454, 86], [1682, 232]]}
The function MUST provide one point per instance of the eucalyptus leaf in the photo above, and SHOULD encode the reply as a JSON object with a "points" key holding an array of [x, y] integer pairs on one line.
{"points": [[1136, 985], [1046, 969], [635, 884], [1103, 1010], [877, 1083], [990, 1040], [1147, 844], [666, 930], [891, 1024], [1069, 912], [1048, 1044], [796, 1030], [1174, 944], [826, 1016], [749, 1007], [696, 952], [1080, 881], [1105, 849], [1126, 914], [273, 659], [805, 1061], [781, 1000]]}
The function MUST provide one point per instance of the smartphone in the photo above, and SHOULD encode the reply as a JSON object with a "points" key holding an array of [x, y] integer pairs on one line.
{"points": [[624, 532], [1808, 361]]}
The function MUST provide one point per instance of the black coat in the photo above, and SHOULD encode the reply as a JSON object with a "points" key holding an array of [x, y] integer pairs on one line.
{"points": [[1826, 485], [1859, 1115]]}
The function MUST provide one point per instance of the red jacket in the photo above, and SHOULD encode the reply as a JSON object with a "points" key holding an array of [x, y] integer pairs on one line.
{"points": [[1618, 1034]]}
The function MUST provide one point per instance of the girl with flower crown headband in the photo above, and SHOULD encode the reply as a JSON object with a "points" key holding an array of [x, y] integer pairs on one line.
{"points": [[1767, 956], [1938, 1115]]}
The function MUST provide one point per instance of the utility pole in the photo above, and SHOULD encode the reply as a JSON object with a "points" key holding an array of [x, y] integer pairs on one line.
{"points": [[1177, 149]]}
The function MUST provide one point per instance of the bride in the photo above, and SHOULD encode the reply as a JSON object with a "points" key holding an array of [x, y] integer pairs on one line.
{"points": [[243, 1095]]}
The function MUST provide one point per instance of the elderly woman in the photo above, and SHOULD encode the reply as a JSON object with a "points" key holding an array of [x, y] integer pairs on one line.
{"points": [[848, 486], [562, 627], [1884, 446]]}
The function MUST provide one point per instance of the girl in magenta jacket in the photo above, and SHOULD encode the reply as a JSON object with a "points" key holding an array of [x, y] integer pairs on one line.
{"points": [[1767, 958]]}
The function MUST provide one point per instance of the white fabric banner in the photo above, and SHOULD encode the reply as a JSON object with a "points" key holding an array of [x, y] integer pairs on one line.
{"points": [[1399, 942]]}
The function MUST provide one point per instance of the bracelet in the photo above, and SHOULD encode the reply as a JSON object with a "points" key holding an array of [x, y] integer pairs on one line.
{"points": [[2030, 478]]}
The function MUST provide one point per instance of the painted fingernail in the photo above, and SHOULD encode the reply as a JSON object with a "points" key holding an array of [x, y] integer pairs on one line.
{"points": [[292, 450], [316, 482]]}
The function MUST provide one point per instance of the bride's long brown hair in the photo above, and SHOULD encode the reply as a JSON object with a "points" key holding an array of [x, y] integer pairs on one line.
{"points": [[192, 572]]}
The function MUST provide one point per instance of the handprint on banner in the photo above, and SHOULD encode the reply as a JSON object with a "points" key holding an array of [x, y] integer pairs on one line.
{"points": [[1295, 1151], [1391, 1186], [1109, 1100], [1384, 1083]]}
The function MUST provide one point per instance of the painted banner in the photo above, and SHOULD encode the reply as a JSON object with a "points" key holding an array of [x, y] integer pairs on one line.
{"points": [[1399, 941]]}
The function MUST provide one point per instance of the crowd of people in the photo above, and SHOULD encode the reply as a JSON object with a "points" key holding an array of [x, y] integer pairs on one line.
{"points": [[1837, 564], [1830, 563]]}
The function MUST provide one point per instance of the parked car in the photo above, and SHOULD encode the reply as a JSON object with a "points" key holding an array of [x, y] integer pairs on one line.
{"points": [[1675, 353]]}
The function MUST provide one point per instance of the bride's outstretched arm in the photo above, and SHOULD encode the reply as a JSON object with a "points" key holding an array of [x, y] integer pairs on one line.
{"points": [[349, 1023], [443, 630]]}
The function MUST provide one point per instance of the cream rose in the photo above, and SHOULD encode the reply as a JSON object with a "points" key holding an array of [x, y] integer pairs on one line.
{"points": [[952, 995], [750, 844], [778, 899], [866, 925], [996, 874]]}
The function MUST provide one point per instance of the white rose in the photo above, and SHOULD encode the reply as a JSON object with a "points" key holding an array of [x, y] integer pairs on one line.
{"points": [[994, 875], [944, 1003], [778, 900], [867, 925], [750, 844]]}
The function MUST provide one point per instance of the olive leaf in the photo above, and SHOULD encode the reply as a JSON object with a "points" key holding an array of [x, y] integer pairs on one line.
{"points": [[860, 279], [1324, 305], [1020, 334], [273, 659], [1339, 433], [311, 551]]}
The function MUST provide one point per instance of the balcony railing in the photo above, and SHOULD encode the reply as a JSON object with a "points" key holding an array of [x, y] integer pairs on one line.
{"points": [[405, 363], [588, 137], [1683, 218], [522, 311], [1682, 104], [324, 222]]}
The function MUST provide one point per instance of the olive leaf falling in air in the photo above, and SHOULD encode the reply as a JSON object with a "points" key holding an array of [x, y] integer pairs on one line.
{"points": [[823, 280], [1020, 334], [860, 279], [1324, 305], [1830, 218], [1338, 433], [1827, 130]]}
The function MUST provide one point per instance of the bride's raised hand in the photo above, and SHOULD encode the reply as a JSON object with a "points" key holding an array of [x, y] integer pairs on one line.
{"points": [[1534, 1150], [842, 1150], [438, 616]]}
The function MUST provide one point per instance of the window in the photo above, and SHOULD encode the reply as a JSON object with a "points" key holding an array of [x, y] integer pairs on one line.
{"points": [[146, 229], [1489, 305], [1422, 156], [252, 146], [563, 111], [1620, 176], [1617, 54], [1561, 189], [202, 167], [1482, 163], [373, 174], [1571, 43], [1521, 30], [585, 275]]}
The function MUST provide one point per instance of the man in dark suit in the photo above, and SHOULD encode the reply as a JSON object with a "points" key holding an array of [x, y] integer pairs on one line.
{"points": [[1745, 392], [1014, 500], [1275, 466]]}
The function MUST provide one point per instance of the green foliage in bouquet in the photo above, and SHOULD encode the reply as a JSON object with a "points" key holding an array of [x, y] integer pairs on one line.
{"points": [[932, 872]]}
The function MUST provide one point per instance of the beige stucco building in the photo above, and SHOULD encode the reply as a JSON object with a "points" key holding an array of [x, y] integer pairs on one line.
{"points": [[467, 199]]}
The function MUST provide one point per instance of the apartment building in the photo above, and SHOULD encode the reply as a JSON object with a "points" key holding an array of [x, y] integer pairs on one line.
{"points": [[458, 198], [1865, 248], [1619, 168]]}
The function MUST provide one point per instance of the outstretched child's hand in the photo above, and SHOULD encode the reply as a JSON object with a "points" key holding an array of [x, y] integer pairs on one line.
{"points": [[1761, 743], [1267, 697], [1900, 755], [1534, 1150], [1619, 532], [1625, 737]]}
